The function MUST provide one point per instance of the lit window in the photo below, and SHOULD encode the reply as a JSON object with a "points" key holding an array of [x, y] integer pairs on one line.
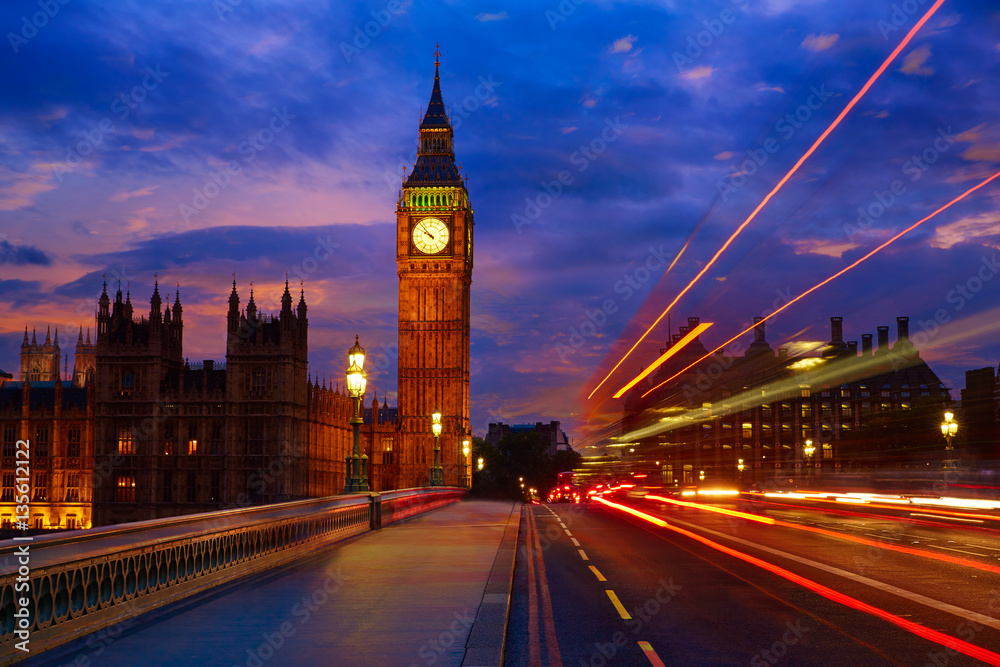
{"points": [[73, 442], [124, 488], [41, 444], [9, 440], [41, 487], [192, 447], [73, 488], [126, 443], [127, 384]]}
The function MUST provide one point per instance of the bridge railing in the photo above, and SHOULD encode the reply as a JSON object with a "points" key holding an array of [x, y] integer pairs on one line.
{"points": [[56, 588]]}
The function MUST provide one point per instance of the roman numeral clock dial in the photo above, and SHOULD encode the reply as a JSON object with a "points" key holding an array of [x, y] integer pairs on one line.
{"points": [[430, 236]]}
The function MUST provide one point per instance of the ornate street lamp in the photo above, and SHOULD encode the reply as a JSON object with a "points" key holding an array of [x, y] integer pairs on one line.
{"points": [[480, 463], [949, 427], [465, 463], [357, 475], [809, 450], [436, 476]]}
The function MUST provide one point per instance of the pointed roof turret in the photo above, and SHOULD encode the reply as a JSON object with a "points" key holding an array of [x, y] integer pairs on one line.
{"points": [[155, 303], [25, 343], [251, 306], [437, 115], [48, 336], [34, 338], [55, 342], [286, 299], [88, 335], [177, 304], [234, 297], [79, 339], [104, 302], [435, 165]]}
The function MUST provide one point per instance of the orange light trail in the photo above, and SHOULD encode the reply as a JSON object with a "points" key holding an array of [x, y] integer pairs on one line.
{"points": [[850, 105], [674, 349], [831, 278], [977, 652], [717, 510]]}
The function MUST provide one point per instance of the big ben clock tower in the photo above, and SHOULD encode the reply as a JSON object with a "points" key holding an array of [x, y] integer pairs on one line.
{"points": [[434, 263]]}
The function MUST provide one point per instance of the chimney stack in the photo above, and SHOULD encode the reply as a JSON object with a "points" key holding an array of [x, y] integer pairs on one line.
{"points": [[836, 329], [866, 345], [692, 325], [883, 340], [852, 347], [758, 330], [902, 329]]}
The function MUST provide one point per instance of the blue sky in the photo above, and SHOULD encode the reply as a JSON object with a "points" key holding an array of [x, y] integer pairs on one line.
{"points": [[124, 150]]}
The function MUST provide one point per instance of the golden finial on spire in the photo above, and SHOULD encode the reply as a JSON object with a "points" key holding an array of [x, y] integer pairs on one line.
{"points": [[437, 54]]}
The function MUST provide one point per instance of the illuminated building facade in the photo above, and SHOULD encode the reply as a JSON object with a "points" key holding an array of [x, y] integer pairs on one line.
{"points": [[753, 417], [56, 418], [177, 438]]}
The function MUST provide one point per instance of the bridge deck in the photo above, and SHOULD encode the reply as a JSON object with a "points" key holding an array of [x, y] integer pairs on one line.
{"points": [[408, 594]]}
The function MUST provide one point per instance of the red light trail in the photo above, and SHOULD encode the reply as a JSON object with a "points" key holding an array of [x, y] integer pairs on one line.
{"points": [[850, 105], [977, 652], [831, 278]]}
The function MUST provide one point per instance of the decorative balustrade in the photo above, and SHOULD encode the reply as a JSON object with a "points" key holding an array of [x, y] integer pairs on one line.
{"points": [[81, 581]]}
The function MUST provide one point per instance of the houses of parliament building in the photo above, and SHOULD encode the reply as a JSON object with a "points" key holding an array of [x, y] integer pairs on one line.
{"points": [[137, 432]]}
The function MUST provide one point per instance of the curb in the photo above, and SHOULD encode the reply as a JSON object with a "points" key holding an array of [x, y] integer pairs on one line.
{"points": [[488, 635]]}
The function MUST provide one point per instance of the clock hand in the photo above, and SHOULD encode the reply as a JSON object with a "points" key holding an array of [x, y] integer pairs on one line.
{"points": [[429, 234]]}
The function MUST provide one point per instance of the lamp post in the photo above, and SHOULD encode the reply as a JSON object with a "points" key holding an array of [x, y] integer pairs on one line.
{"points": [[436, 428], [949, 427], [480, 463], [465, 464], [809, 450], [356, 382]]}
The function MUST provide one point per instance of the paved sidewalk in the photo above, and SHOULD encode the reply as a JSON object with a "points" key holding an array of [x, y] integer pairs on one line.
{"points": [[415, 593]]}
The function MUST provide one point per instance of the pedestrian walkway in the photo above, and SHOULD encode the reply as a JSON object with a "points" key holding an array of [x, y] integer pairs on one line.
{"points": [[433, 590]]}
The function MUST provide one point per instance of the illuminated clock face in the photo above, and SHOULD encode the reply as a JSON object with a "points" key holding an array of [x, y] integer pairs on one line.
{"points": [[430, 235]]}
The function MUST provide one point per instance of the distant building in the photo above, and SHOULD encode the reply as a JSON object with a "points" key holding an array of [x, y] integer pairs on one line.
{"points": [[555, 436], [979, 423], [178, 438], [751, 417]]}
